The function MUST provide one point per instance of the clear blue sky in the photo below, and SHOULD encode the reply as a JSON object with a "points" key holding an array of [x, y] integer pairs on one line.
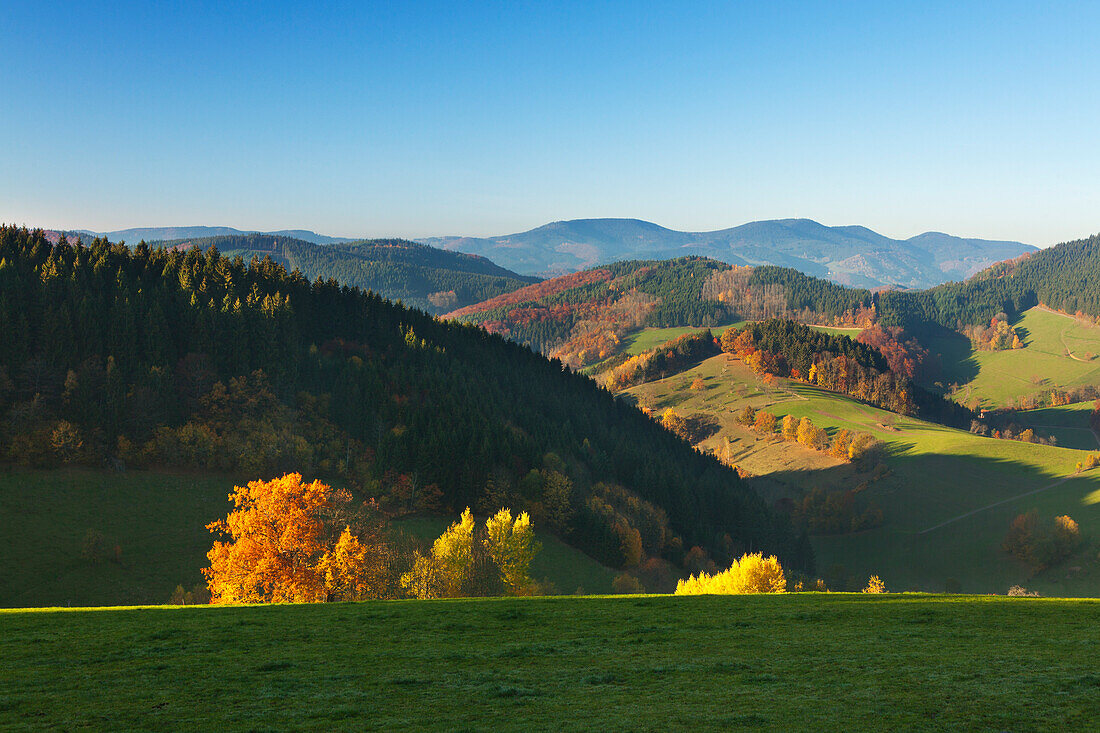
{"points": [[979, 119]]}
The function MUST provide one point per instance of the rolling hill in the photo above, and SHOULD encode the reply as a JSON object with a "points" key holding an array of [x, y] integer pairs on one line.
{"points": [[1050, 299], [851, 255], [188, 360], [947, 495], [583, 317], [420, 276], [164, 234]]}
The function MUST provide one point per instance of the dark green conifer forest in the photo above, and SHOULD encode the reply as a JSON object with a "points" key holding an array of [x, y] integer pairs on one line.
{"points": [[420, 276]]}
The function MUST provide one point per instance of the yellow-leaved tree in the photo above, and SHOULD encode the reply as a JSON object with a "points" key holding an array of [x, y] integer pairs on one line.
{"points": [[288, 541], [512, 545], [875, 585], [753, 573], [472, 560]]}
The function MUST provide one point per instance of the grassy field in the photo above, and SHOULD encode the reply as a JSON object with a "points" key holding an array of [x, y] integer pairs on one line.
{"points": [[838, 331], [970, 485], [1059, 352], [1068, 423], [651, 338], [787, 662], [158, 521]]}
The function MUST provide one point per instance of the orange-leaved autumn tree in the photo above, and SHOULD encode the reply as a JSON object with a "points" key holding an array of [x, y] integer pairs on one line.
{"points": [[296, 542]]}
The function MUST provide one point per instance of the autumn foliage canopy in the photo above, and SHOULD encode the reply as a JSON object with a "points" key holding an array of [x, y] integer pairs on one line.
{"points": [[753, 573], [295, 542]]}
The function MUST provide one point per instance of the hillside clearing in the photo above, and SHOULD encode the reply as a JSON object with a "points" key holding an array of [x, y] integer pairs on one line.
{"points": [[651, 338], [803, 661], [1059, 353], [1068, 423]]}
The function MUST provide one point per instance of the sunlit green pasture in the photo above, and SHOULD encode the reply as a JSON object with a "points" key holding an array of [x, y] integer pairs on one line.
{"points": [[1059, 352], [936, 475], [832, 662], [651, 338], [838, 330]]}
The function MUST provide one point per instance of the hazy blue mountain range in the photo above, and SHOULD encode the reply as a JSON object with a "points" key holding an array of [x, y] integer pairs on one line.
{"points": [[164, 234], [851, 255]]}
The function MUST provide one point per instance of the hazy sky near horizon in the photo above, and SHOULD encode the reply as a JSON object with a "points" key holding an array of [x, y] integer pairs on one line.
{"points": [[418, 119]]}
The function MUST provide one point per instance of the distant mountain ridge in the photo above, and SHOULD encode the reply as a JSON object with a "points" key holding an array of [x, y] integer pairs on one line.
{"points": [[165, 234], [850, 255]]}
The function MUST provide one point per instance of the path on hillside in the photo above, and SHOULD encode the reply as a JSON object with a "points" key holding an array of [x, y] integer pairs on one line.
{"points": [[1062, 333], [1059, 482]]}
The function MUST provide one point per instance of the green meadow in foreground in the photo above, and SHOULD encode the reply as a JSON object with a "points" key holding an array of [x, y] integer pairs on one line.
{"points": [[805, 661]]}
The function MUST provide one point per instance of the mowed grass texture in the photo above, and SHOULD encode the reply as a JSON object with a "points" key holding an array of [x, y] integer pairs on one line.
{"points": [[156, 519], [789, 662]]}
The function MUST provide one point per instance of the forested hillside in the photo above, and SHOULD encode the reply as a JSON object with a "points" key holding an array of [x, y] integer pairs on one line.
{"points": [[581, 318], [164, 234], [418, 275], [1065, 277], [164, 357]]}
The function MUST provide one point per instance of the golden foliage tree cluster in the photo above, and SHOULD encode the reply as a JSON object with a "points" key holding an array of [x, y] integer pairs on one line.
{"points": [[845, 445], [295, 542], [1091, 461], [1042, 543], [473, 560], [674, 422], [753, 573], [997, 336], [875, 585]]}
